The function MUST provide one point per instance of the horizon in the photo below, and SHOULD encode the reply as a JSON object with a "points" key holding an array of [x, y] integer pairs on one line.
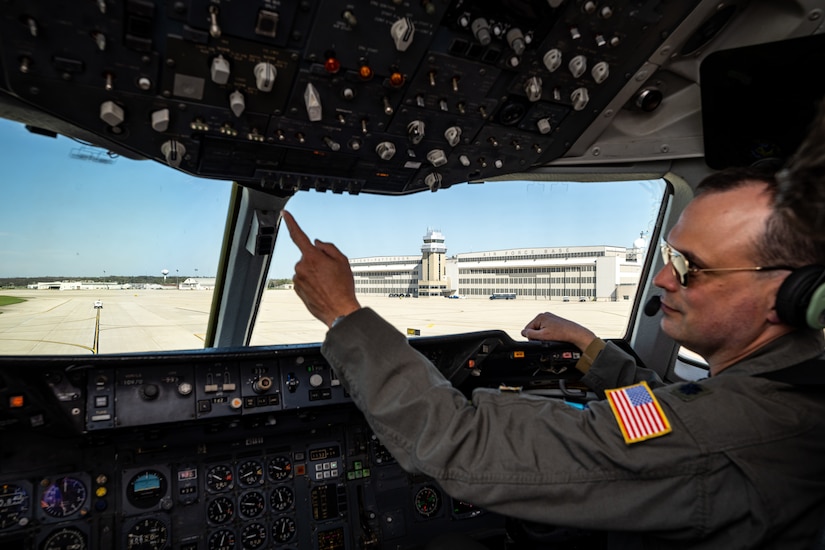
{"points": [[97, 220]]}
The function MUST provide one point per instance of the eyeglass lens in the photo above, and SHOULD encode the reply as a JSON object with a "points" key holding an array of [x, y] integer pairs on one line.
{"points": [[677, 262]]}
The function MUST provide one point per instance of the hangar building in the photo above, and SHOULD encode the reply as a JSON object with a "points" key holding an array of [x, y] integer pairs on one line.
{"points": [[604, 273]]}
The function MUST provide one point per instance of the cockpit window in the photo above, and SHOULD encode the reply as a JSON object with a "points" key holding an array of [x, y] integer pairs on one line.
{"points": [[103, 254], [476, 257], [100, 253]]}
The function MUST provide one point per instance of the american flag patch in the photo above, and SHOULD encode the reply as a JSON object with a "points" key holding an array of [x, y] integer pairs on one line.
{"points": [[638, 413]]}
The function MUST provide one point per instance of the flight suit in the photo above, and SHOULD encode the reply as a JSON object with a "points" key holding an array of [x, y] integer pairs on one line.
{"points": [[741, 467]]}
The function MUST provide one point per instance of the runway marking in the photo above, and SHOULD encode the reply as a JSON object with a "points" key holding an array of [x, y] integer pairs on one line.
{"points": [[194, 310], [47, 342], [57, 306], [97, 332]]}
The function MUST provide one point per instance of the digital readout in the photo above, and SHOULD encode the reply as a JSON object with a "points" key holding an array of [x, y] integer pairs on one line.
{"points": [[333, 451]]}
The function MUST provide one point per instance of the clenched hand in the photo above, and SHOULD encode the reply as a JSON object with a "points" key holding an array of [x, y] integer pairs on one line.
{"points": [[547, 326]]}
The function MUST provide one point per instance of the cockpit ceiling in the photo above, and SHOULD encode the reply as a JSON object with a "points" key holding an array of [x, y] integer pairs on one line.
{"points": [[384, 97]]}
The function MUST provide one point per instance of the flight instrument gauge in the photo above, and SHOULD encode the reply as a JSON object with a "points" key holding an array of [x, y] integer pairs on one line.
{"points": [[146, 488], [250, 473], [251, 504], [427, 501], [280, 468], [220, 510], [63, 497], [67, 538], [147, 534], [14, 506], [281, 498], [283, 529], [253, 536], [219, 478], [222, 539]]}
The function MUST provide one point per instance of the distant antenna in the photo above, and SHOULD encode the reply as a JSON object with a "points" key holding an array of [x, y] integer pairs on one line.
{"points": [[93, 155]]}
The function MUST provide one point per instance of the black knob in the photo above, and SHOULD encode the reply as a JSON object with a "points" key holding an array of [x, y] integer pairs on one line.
{"points": [[149, 392]]}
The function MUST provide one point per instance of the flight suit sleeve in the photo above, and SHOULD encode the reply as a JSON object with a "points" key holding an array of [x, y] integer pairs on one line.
{"points": [[605, 366], [529, 457]]}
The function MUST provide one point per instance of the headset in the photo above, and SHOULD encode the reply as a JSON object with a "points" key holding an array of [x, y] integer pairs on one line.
{"points": [[801, 298]]}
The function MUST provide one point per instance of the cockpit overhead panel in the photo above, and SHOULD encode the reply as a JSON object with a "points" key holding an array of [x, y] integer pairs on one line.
{"points": [[381, 97]]}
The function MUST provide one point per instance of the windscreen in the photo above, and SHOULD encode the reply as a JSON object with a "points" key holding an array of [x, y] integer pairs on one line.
{"points": [[102, 254], [476, 256]]}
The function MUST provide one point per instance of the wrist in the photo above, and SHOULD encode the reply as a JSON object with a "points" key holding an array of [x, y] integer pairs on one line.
{"points": [[341, 317]]}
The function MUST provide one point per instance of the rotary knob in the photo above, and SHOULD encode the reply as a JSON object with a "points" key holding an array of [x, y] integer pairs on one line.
{"points": [[149, 392], [385, 150]]}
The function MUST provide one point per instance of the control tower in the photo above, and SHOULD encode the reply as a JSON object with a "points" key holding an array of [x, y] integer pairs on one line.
{"points": [[433, 280]]}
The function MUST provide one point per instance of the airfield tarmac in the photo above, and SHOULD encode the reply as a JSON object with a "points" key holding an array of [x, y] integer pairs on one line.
{"points": [[66, 322]]}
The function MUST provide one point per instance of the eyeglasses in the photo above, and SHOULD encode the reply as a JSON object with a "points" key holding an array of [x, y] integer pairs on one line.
{"points": [[681, 266]]}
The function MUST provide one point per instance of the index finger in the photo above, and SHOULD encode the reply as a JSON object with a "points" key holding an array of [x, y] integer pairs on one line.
{"points": [[296, 233]]}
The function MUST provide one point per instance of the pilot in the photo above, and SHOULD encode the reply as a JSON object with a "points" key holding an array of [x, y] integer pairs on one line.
{"points": [[731, 461]]}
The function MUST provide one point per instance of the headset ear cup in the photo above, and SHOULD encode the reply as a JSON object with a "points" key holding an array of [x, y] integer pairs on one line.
{"points": [[816, 307], [801, 298]]}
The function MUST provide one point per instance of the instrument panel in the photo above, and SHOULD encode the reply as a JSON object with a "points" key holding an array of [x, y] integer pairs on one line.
{"points": [[386, 96], [259, 448]]}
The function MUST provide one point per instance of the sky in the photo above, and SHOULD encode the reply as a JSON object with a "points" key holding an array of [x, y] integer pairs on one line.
{"points": [[60, 216]]}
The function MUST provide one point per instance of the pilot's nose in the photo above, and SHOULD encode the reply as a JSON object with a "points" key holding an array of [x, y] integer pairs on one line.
{"points": [[666, 279]]}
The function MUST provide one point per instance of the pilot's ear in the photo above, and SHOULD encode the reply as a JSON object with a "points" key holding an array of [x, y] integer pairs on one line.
{"points": [[800, 300], [775, 314]]}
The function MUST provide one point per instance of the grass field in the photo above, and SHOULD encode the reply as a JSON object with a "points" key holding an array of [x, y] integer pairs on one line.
{"points": [[9, 300]]}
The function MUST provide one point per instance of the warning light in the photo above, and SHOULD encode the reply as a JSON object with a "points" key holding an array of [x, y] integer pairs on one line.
{"points": [[16, 402], [332, 65], [396, 79], [365, 72]]}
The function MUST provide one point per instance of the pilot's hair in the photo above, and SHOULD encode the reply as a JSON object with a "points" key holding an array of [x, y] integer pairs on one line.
{"points": [[802, 182], [784, 241]]}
